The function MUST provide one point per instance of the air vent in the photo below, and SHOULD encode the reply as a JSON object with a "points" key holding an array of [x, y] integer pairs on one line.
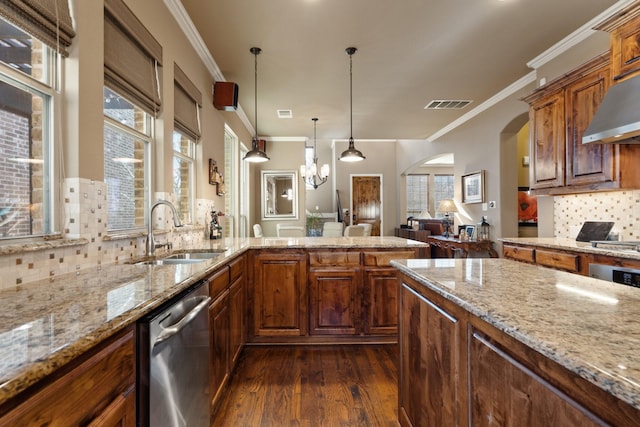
{"points": [[285, 114], [447, 104]]}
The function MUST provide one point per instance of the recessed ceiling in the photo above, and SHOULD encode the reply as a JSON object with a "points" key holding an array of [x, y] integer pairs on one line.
{"points": [[409, 53]]}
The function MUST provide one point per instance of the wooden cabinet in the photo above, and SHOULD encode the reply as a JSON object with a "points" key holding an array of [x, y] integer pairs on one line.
{"points": [[218, 333], [335, 293], [503, 389], [219, 345], [546, 120], [430, 361], [456, 369], [279, 292], [96, 390], [237, 310], [226, 324], [625, 42], [380, 293], [559, 114]]}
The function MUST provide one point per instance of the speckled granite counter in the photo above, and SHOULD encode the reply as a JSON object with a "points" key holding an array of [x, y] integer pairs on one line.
{"points": [[589, 326], [46, 324], [572, 245]]}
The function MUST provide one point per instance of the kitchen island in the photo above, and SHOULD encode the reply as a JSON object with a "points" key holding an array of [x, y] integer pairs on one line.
{"points": [[499, 341], [50, 324]]}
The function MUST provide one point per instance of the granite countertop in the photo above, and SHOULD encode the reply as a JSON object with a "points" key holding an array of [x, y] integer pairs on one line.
{"points": [[571, 244], [589, 326], [46, 324]]}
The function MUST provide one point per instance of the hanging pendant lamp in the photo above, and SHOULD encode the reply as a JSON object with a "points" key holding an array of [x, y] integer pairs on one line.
{"points": [[256, 155], [312, 175], [351, 154]]}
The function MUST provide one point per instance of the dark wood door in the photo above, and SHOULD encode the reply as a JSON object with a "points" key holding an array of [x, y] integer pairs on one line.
{"points": [[366, 201], [546, 117], [381, 301], [279, 294], [219, 345], [335, 301], [429, 363], [587, 163]]}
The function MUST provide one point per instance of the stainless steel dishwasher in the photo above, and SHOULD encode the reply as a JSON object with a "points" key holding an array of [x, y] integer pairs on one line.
{"points": [[173, 362]]}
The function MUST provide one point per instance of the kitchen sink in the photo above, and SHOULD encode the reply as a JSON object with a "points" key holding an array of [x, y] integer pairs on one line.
{"points": [[196, 255], [170, 261], [187, 257]]}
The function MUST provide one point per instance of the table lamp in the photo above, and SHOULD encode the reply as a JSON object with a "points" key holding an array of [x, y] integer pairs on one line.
{"points": [[447, 206]]}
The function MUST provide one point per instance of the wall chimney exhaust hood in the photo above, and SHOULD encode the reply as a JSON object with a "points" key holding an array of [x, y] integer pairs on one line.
{"points": [[617, 120]]}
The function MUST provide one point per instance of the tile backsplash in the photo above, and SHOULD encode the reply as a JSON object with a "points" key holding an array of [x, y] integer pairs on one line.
{"points": [[621, 207], [86, 241]]}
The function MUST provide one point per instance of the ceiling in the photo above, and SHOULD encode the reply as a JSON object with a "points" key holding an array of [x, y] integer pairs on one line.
{"points": [[410, 52]]}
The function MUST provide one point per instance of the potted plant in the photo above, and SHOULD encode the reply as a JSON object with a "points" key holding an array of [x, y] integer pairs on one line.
{"points": [[314, 224]]}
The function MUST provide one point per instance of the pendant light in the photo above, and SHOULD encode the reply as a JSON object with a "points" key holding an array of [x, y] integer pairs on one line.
{"points": [[311, 175], [351, 154], [256, 155]]}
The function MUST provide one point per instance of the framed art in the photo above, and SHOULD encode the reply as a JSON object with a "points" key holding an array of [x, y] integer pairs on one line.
{"points": [[473, 187], [215, 177], [471, 231]]}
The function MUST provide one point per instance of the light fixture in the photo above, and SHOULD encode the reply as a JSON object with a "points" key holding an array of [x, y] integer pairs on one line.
{"points": [[310, 174], [256, 155], [351, 154], [447, 206]]}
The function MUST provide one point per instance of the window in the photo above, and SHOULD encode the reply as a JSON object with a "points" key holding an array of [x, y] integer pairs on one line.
{"points": [[443, 189], [417, 194], [26, 144], [184, 153], [127, 137]]}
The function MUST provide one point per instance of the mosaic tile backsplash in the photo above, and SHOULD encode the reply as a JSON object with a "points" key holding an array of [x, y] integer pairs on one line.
{"points": [[621, 207], [85, 220]]}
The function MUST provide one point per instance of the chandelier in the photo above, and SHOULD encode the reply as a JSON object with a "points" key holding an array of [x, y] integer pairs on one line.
{"points": [[311, 175]]}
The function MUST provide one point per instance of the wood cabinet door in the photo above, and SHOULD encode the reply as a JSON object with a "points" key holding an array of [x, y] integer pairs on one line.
{"points": [[236, 319], [503, 392], [279, 294], [429, 363], [380, 301], [219, 346], [335, 301], [547, 134], [625, 49], [587, 163]]}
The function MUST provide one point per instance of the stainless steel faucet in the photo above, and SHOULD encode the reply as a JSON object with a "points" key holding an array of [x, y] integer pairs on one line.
{"points": [[151, 243]]}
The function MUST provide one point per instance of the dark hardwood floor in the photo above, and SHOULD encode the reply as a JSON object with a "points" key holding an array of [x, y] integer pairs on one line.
{"points": [[337, 385]]}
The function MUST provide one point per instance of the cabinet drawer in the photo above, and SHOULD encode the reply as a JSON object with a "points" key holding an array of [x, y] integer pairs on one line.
{"points": [[562, 261], [341, 259], [519, 253], [218, 282], [383, 259], [237, 268]]}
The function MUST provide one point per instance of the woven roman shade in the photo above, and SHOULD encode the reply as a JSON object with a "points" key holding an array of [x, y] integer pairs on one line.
{"points": [[47, 20], [131, 57], [187, 100]]}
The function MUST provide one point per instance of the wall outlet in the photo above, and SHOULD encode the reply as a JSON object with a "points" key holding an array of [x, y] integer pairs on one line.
{"points": [[485, 206], [492, 204]]}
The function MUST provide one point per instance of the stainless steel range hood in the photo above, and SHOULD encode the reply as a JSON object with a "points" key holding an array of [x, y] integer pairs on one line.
{"points": [[617, 120]]}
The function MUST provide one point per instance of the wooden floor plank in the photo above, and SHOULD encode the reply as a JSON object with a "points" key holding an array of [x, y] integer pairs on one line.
{"points": [[313, 386]]}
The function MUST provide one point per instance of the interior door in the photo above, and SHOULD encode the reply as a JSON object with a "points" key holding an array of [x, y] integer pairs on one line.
{"points": [[366, 201]]}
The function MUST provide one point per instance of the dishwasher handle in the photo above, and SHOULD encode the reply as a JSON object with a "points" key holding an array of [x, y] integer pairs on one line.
{"points": [[172, 330]]}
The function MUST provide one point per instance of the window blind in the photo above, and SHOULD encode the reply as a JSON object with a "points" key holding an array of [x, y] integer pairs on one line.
{"points": [[47, 20], [131, 57], [187, 101]]}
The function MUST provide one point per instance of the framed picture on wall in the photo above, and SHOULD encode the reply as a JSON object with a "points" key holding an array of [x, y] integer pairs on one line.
{"points": [[473, 187]]}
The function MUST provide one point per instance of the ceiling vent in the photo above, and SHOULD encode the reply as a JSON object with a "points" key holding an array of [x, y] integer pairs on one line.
{"points": [[447, 104], [285, 114]]}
